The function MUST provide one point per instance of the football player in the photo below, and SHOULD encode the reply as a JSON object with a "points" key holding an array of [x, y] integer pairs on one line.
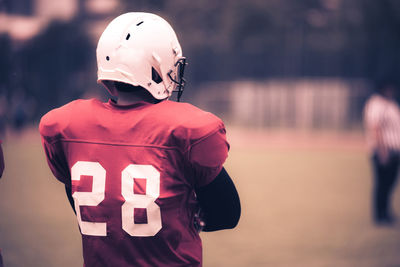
{"points": [[138, 169]]}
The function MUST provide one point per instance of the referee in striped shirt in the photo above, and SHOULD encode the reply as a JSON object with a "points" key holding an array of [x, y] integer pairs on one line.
{"points": [[382, 125]]}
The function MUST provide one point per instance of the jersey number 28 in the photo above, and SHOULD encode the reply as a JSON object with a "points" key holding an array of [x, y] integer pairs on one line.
{"points": [[132, 200]]}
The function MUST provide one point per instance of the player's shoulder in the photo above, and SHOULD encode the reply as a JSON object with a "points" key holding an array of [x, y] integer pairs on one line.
{"points": [[190, 121], [57, 119], [188, 115]]}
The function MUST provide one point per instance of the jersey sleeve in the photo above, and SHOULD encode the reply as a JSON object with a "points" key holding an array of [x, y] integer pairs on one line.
{"points": [[207, 157], [50, 129], [207, 148]]}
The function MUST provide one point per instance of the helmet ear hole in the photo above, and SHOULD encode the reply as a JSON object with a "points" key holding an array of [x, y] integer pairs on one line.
{"points": [[155, 76]]}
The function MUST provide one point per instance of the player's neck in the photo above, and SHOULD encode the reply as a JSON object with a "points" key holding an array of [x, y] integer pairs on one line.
{"points": [[128, 98]]}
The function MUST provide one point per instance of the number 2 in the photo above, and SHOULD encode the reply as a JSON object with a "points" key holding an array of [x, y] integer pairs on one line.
{"points": [[132, 200]]}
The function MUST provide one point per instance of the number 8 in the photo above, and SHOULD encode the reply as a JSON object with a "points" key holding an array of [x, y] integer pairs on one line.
{"points": [[132, 200], [146, 201]]}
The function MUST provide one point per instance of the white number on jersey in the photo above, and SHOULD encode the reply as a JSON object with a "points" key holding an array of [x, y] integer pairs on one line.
{"points": [[93, 198], [132, 200], [146, 201]]}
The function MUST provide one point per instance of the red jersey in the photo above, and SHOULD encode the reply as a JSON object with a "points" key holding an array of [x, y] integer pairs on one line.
{"points": [[133, 170]]}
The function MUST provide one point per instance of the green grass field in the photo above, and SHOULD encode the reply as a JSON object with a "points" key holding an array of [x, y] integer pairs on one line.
{"points": [[305, 202]]}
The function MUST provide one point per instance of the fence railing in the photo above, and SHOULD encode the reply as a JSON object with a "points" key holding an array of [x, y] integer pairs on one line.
{"points": [[295, 103]]}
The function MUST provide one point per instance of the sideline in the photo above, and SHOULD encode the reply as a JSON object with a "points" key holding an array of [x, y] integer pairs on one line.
{"points": [[296, 139]]}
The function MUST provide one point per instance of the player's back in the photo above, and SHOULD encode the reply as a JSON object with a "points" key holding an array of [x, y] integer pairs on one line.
{"points": [[132, 182]]}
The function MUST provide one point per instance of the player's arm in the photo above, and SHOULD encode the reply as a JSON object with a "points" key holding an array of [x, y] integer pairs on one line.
{"points": [[219, 203], [58, 167], [49, 128], [215, 190], [70, 198], [1, 161]]}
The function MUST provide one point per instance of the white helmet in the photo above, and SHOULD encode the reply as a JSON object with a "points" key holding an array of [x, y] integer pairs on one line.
{"points": [[141, 49]]}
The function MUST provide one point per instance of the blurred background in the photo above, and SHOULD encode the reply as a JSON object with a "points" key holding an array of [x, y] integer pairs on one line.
{"points": [[289, 78]]}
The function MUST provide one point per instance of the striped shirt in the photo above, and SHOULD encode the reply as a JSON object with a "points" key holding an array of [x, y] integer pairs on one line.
{"points": [[382, 115]]}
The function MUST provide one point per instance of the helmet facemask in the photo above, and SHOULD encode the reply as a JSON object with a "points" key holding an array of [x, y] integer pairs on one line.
{"points": [[178, 79]]}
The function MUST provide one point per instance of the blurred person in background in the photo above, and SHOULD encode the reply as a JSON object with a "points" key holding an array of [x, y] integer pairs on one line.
{"points": [[21, 110], [1, 174], [3, 114], [1, 160], [382, 125], [137, 169]]}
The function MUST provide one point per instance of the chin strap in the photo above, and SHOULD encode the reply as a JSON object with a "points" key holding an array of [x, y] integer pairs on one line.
{"points": [[179, 80]]}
